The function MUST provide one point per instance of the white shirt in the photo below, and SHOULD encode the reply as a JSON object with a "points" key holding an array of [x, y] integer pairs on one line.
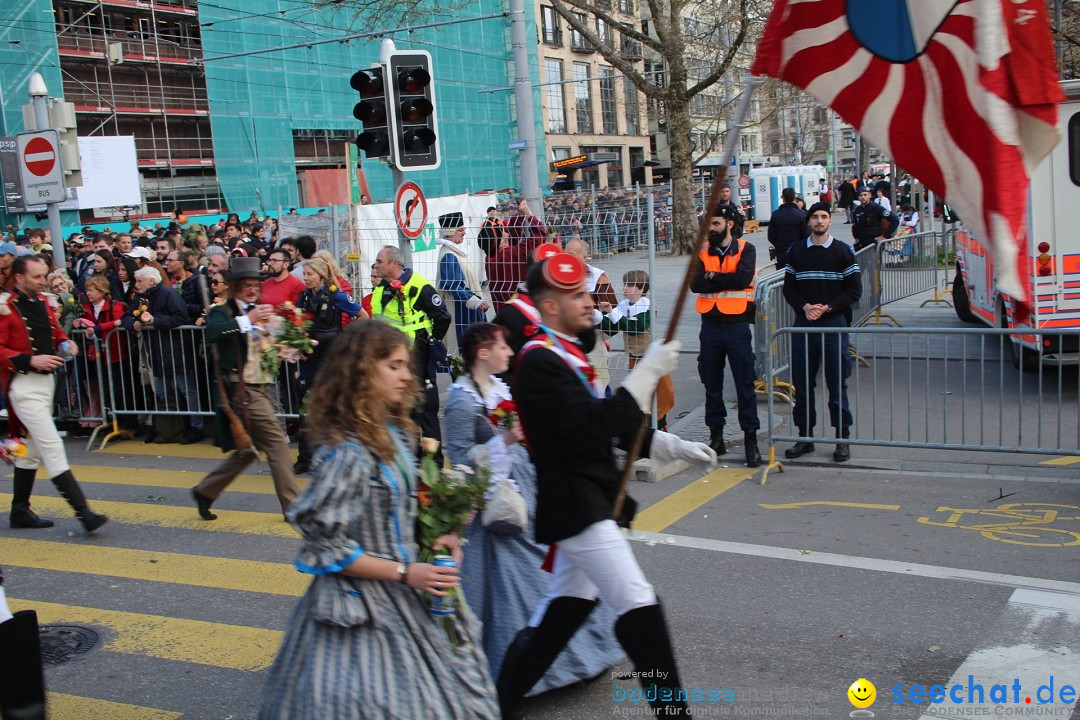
{"points": [[883, 202]]}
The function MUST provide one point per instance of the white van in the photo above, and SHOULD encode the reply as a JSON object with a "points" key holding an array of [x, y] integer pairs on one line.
{"points": [[766, 184], [1053, 252]]}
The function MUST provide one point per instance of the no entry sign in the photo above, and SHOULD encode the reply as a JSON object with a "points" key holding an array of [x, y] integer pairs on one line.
{"points": [[39, 167]]}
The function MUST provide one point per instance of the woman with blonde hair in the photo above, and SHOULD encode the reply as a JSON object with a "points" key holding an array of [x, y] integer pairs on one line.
{"points": [[339, 278], [362, 643], [324, 302]]}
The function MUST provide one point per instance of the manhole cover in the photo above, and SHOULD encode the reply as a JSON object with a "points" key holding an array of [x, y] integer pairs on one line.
{"points": [[60, 643]]}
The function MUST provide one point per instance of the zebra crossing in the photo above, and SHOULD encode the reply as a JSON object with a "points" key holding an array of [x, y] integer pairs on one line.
{"points": [[188, 613]]}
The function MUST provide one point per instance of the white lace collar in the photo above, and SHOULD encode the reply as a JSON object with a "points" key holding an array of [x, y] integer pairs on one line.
{"points": [[457, 248], [498, 392]]}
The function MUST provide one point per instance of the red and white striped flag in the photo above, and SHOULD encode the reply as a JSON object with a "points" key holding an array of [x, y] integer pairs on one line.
{"points": [[962, 94]]}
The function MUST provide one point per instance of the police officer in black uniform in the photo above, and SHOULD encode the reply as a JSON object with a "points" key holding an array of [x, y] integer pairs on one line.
{"points": [[871, 223]]}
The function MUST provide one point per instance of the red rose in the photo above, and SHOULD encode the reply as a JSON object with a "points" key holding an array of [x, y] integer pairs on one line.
{"points": [[396, 285]]}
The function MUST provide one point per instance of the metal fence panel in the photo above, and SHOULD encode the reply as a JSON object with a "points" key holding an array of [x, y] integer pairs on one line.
{"points": [[169, 372], [911, 264], [945, 389]]}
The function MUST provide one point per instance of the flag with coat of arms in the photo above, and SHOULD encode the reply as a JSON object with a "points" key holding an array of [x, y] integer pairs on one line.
{"points": [[962, 94]]}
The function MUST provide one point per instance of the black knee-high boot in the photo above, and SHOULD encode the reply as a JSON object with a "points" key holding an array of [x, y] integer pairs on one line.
{"points": [[69, 488], [21, 514], [22, 693], [535, 648], [644, 635]]}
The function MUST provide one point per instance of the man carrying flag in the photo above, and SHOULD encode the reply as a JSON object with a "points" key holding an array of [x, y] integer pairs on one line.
{"points": [[962, 95]]}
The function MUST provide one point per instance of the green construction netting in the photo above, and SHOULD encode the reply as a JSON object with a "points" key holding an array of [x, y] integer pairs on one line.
{"points": [[27, 45], [257, 101]]}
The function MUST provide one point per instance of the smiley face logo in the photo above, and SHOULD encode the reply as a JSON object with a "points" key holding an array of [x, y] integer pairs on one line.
{"points": [[862, 693]]}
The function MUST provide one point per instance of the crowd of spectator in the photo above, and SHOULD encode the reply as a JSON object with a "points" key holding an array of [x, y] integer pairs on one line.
{"points": [[149, 282]]}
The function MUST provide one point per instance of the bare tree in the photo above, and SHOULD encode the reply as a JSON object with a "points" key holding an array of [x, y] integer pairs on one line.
{"points": [[1065, 20], [669, 36]]}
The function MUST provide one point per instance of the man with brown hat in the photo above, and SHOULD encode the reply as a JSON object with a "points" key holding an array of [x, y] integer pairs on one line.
{"points": [[569, 426], [235, 326]]}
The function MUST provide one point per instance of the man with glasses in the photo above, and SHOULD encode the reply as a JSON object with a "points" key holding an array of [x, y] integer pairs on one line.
{"points": [[184, 281], [282, 286], [724, 283]]}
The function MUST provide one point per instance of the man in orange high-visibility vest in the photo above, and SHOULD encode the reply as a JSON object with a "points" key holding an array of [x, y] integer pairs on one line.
{"points": [[724, 283]]}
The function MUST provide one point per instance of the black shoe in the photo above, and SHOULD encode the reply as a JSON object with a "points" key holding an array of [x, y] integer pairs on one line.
{"points": [[81, 431], [193, 435], [25, 518], [534, 649], [300, 467], [753, 453], [90, 520], [643, 634], [716, 440], [798, 450], [21, 514], [203, 504], [842, 452]]}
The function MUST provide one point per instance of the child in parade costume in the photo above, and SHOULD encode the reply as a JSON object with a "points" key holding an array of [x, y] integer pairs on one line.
{"points": [[362, 643], [569, 427], [631, 318], [501, 571]]}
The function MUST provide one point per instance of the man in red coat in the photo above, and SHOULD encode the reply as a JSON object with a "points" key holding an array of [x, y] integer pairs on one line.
{"points": [[31, 345]]}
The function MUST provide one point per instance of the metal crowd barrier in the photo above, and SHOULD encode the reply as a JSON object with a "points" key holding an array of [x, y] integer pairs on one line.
{"points": [[168, 372], [906, 266], [933, 388], [773, 313], [80, 391]]}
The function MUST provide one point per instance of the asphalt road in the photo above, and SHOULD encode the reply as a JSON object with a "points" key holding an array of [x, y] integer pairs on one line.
{"points": [[907, 567]]}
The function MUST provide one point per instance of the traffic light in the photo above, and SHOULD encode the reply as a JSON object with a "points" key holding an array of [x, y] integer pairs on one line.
{"points": [[415, 125], [373, 111]]}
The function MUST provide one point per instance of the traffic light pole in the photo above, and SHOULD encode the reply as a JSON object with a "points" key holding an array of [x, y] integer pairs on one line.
{"points": [[39, 93], [523, 100], [404, 242], [386, 49]]}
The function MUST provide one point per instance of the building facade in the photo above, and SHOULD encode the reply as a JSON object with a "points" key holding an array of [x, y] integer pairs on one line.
{"points": [[239, 133], [594, 118]]}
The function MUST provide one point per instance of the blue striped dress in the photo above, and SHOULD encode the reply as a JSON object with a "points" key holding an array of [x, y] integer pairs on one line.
{"points": [[501, 574], [360, 649]]}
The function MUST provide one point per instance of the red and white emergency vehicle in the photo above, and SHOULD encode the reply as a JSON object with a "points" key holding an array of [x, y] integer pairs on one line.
{"points": [[1054, 249]]}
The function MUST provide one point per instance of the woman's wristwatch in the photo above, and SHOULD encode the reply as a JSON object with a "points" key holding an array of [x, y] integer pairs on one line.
{"points": [[403, 572]]}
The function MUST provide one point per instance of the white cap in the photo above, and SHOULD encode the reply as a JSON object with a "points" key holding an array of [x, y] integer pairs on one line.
{"points": [[142, 252]]}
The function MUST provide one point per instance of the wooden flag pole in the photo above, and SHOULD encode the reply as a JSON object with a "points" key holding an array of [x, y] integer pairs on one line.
{"points": [[691, 267]]}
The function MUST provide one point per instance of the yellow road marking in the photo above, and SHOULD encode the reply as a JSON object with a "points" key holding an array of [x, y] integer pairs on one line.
{"points": [[236, 647], [172, 516], [197, 450], [197, 570], [182, 479], [73, 707], [1067, 460], [810, 503], [681, 503]]}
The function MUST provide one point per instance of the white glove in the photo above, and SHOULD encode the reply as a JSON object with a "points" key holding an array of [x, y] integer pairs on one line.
{"points": [[474, 302], [666, 447], [660, 359]]}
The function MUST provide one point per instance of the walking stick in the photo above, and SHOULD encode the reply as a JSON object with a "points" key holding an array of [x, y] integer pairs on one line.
{"points": [[684, 289], [240, 436]]}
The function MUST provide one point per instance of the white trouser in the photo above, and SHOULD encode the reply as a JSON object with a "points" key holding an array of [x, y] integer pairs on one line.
{"points": [[598, 562], [31, 398]]}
